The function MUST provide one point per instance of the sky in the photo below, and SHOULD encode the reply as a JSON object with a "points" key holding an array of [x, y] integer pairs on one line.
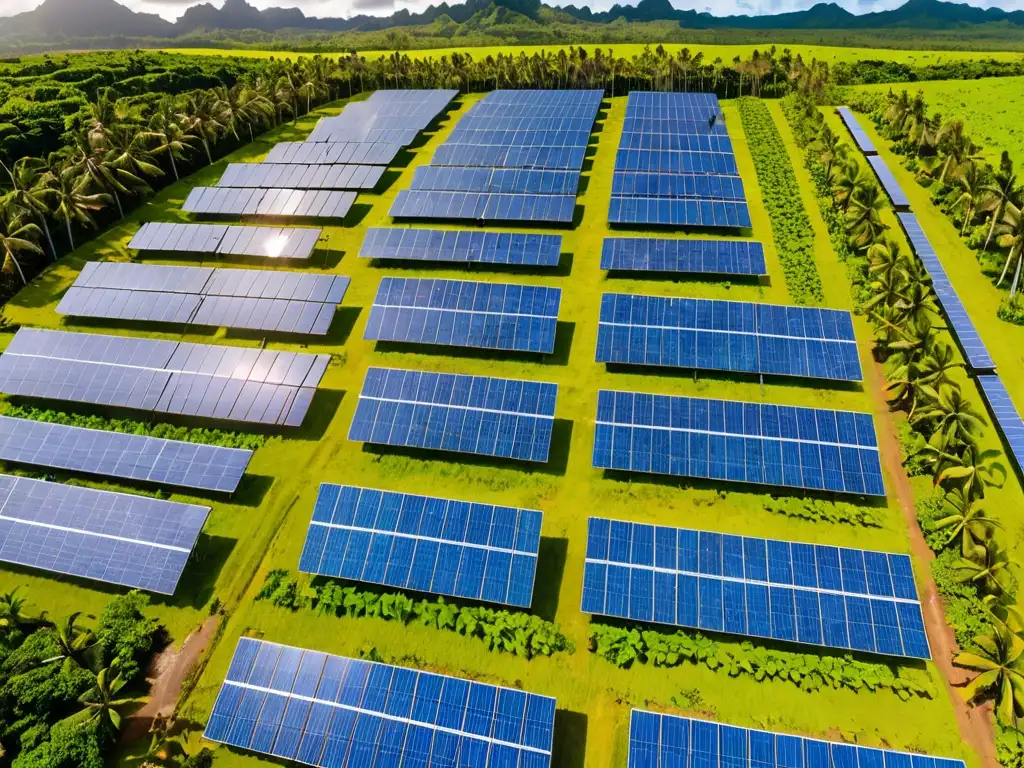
{"points": [[171, 9]]}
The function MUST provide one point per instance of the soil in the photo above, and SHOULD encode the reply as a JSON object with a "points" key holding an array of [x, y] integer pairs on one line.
{"points": [[166, 674], [975, 723]]}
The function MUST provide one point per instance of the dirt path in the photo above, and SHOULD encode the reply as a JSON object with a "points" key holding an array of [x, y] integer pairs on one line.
{"points": [[976, 728], [166, 674]]}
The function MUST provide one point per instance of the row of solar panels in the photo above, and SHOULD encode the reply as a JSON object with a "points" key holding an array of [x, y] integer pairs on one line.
{"points": [[326, 710], [223, 240], [271, 176], [394, 117], [283, 203]]}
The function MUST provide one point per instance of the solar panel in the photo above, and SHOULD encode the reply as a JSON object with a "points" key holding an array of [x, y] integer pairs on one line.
{"points": [[287, 203], [977, 355], [507, 418], [492, 156], [329, 711], [462, 313], [819, 595], [503, 180], [416, 204], [892, 188], [442, 245], [675, 165], [669, 740], [860, 136], [332, 153], [182, 238], [705, 257], [727, 336], [1005, 416], [231, 383], [426, 544], [764, 444], [394, 117], [268, 176], [127, 456], [134, 541], [271, 242], [277, 301]]}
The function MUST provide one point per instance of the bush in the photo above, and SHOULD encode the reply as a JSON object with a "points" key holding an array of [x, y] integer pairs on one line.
{"points": [[791, 227], [826, 511], [68, 745], [809, 672], [126, 633], [517, 633]]}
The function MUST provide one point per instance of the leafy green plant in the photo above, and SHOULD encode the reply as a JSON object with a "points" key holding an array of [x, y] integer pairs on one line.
{"points": [[518, 633], [791, 227], [625, 646], [820, 510]]}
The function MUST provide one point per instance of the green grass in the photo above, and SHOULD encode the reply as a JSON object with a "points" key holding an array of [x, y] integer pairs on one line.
{"points": [[595, 696], [829, 53], [990, 109]]}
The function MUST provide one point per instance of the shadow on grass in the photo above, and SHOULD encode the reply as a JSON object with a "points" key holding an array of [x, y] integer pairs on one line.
{"points": [[199, 579], [337, 334], [387, 179], [550, 570], [570, 743], [792, 382], [356, 214], [324, 257], [322, 410], [558, 455], [252, 490], [559, 356], [685, 277]]}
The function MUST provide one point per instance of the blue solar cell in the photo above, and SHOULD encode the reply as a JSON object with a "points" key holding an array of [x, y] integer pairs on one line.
{"points": [[899, 199], [710, 257], [506, 418], [331, 710], [419, 542], [1005, 415], [860, 136], [967, 336], [660, 741], [730, 336], [462, 313], [114, 454], [726, 589], [117, 538], [481, 206], [443, 245]]}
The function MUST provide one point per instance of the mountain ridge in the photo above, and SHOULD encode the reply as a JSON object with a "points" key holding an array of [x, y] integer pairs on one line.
{"points": [[56, 20]]}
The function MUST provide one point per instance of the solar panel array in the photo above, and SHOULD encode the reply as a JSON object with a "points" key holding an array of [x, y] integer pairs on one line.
{"points": [[332, 711], [441, 245], [860, 136], [286, 203], [127, 456], [332, 153], [664, 741], [222, 240], [675, 165], [507, 418], [283, 302], [391, 117], [463, 313], [742, 442], [892, 188], [819, 595], [440, 546], [260, 386], [134, 541], [515, 156], [702, 257], [263, 176], [727, 336], [1005, 415], [977, 355]]}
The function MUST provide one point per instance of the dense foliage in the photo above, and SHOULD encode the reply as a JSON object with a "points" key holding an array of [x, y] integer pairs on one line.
{"points": [[791, 227], [824, 511], [809, 671], [61, 682], [521, 634], [220, 437]]}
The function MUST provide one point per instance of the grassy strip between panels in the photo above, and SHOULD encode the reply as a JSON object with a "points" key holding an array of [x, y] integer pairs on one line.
{"points": [[518, 633]]}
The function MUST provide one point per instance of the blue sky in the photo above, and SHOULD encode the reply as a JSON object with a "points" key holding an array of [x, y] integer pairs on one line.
{"points": [[171, 9]]}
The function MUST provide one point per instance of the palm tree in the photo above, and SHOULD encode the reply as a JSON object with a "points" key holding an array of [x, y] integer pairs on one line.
{"points": [[74, 205], [970, 472], [964, 519], [955, 419], [18, 237], [205, 118], [29, 190], [830, 148], [864, 216], [76, 643], [127, 152], [998, 663], [12, 613], [1002, 189], [851, 178], [886, 261], [957, 147], [935, 365], [1012, 236], [93, 169], [988, 566], [969, 178], [101, 700]]}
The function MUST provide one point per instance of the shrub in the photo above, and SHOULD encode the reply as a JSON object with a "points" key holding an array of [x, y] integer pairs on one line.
{"points": [[126, 633], [826, 511]]}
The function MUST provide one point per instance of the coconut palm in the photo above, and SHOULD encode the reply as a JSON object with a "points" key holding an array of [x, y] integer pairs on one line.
{"points": [[29, 193], [997, 662], [970, 471], [12, 613], [830, 148], [988, 566], [999, 191], [1011, 236], [851, 178], [73, 205], [77, 644], [956, 146], [101, 702], [204, 116], [955, 420], [886, 261], [18, 240], [964, 518], [126, 152], [971, 182], [94, 171], [864, 224], [165, 136]]}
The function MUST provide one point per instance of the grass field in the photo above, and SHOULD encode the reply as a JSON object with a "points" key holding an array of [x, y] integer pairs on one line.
{"points": [[831, 54], [263, 528], [990, 109]]}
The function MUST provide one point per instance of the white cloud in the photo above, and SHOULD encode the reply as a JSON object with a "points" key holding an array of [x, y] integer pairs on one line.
{"points": [[171, 9]]}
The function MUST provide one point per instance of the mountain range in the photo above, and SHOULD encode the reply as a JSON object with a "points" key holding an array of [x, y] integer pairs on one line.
{"points": [[57, 20]]}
